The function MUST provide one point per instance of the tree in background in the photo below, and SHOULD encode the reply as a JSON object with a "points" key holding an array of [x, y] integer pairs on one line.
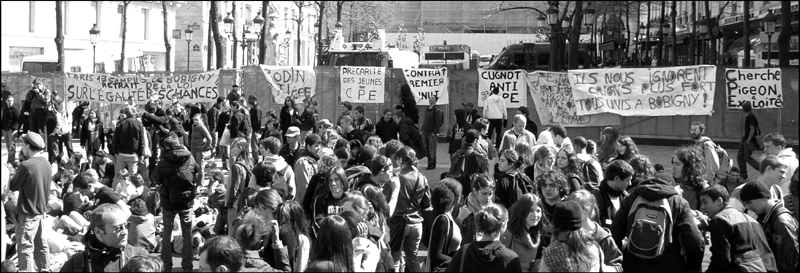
{"points": [[785, 34], [121, 67], [214, 12], [167, 45], [60, 34]]}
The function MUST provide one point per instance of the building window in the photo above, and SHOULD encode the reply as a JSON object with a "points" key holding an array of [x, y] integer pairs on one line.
{"points": [[32, 16], [146, 16], [16, 53]]}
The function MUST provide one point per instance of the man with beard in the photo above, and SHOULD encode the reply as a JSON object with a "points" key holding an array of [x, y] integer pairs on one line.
{"points": [[697, 131]]}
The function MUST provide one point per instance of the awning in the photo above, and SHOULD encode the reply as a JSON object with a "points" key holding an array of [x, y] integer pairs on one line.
{"points": [[738, 44]]}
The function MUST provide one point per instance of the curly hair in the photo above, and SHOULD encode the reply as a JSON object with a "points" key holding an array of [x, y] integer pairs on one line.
{"points": [[525, 152], [557, 177], [693, 167], [642, 169], [513, 159], [573, 163]]}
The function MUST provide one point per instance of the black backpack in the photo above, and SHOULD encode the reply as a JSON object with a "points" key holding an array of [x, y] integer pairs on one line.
{"points": [[591, 178]]}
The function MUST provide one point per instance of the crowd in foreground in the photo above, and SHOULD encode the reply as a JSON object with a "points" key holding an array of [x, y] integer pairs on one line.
{"points": [[304, 195]]}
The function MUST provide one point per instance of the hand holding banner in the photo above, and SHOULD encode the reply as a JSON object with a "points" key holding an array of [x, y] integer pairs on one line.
{"points": [[510, 82], [553, 100], [657, 91], [362, 84], [761, 87], [426, 82], [297, 82]]}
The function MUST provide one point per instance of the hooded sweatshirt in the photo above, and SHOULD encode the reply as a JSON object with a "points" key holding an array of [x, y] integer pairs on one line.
{"points": [[179, 160], [495, 107], [485, 256], [288, 174], [686, 237]]}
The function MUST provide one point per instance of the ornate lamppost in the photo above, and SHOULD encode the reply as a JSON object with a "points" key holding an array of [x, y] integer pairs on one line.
{"points": [[769, 28], [94, 35], [189, 33]]}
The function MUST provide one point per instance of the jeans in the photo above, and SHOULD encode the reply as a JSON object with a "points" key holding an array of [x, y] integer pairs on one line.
{"points": [[411, 238], [126, 162], [232, 214], [185, 218], [429, 141], [745, 157], [198, 158], [11, 145], [38, 123], [30, 242], [65, 141], [496, 126], [254, 147]]}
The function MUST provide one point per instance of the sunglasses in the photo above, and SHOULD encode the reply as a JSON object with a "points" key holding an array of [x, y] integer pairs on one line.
{"points": [[119, 228]]}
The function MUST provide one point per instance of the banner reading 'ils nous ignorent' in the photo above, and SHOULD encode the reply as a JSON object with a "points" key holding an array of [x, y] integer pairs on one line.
{"points": [[104, 88], [657, 91], [554, 102]]}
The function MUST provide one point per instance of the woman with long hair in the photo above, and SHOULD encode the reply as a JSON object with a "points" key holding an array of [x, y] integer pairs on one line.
{"points": [[289, 115], [612, 261], [408, 103], [571, 249], [688, 169], [201, 142], [291, 214], [512, 183], [487, 253], [642, 170], [316, 184], [367, 256], [525, 154], [543, 160], [626, 149], [266, 206], [482, 195], [240, 166], [375, 141], [92, 133], [405, 225], [609, 140], [334, 244], [329, 202], [569, 165], [253, 235], [474, 164], [443, 237], [524, 230]]}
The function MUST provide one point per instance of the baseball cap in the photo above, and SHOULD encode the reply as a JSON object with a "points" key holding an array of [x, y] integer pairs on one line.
{"points": [[292, 131]]}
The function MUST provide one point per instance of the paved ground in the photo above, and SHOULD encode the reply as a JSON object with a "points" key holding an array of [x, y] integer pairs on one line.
{"points": [[657, 154]]}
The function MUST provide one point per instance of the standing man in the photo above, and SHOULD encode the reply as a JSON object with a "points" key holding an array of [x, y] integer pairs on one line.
{"points": [[77, 118], [255, 125], [749, 143], [174, 176], [213, 117], [697, 132], [39, 97], [62, 134], [430, 130], [291, 148], [128, 142], [779, 225], [32, 180], [235, 94], [472, 113], [9, 124], [495, 111], [359, 121], [775, 144], [529, 125]]}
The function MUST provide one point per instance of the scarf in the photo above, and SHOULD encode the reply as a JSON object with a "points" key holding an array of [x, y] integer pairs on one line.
{"points": [[557, 257], [605, 187], [473, 204]]}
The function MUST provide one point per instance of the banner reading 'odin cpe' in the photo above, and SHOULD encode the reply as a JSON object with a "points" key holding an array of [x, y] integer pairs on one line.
{"points": [[297, 82], [761, 87], [425, 83], [552, 97], [103, 88], [657, 91]]}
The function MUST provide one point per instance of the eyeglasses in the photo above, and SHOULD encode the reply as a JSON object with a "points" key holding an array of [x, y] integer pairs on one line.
{"points": [[121, 227]]}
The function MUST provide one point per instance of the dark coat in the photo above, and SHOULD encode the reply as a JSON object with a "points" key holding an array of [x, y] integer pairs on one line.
{"points": [[387, 130], [99, 258], [85, 134], [733, 232], [287, 119], [485, 256], [409, 135], [175, 173], [127, 137], [780, 229]]}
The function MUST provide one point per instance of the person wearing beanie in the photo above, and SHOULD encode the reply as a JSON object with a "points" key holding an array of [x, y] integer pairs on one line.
{"points": [[685, 253], [570, 249], [778, 224], [734, 235]]}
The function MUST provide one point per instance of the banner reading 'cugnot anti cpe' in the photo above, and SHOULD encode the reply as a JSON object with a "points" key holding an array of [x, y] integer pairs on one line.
{"points": [[103, 88], [510, 83], [657, 91], [761, 87]]}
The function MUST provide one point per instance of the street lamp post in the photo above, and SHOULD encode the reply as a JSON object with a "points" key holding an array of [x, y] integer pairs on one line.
{"points": [[188, 32], [94, 34], [703, 30], [642, 47], [229, 31], [664, 53], [552, 20], [588, 20], [769, 28]]}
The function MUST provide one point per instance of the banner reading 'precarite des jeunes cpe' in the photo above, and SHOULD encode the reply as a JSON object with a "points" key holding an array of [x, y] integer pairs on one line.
{"points": [[104, 88], [362, 84]]}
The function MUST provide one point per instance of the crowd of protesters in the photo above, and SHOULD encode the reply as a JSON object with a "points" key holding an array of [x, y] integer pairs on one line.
{"points": [[305, 193]]}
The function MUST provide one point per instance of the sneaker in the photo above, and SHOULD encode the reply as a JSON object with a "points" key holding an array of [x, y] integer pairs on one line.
{"points": [[430, 167]]}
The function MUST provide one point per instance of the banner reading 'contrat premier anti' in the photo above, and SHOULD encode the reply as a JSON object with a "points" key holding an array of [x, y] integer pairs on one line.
{"points": [[425, 83], [510, 83], [552, 97], [104, 88], [657, 91], [761, 87], [362, 84], [297, 82]]}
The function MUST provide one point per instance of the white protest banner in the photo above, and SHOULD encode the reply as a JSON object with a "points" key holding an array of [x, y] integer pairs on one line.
{"points": [[426, 82], [761, 87], [362, 84], [657, 91], [552, 96], [104, 88], [510, 82], [297, 82]]}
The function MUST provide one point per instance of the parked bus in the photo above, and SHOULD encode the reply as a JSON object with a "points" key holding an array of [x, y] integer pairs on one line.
{"points": [[454, 57], [531, 57]]}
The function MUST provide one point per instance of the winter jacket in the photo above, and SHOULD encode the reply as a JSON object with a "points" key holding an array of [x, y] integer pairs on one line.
{"points": [[288, 174], [359, 124], [495, 108], [407, 130], [607, 211], [10, 119], [142, 232], [100, 258], [289, 154], [288, 119], [201, 139], [414, 193], [457, 161], [525, 247], [304, 167], [175, 173], [734, 233], [456, 134], [483, 256], [433, 120], [611, 253], [127, 137], [255, 119], [240, 125], [686, 237], [213, 116], [510, 139], [387, 130], [780, 229]]}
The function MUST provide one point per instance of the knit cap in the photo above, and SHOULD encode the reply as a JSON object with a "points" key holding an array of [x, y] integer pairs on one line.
{"points": [[567, 216], [754, 190]]}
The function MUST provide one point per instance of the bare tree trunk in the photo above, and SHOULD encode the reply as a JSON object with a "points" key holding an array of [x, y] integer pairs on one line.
{"points": [[211, 47], [746, 34], [712, 32], [692, 45], [262, 42], [235, 38], [321, 5], [124, 35], [647, 24], [577, 21], [60, 35], [299, 28], [785, 34], [339, 6], [674, 27], [628, 29], [167, 45], [660, 48], [638, 60], [217, 37]]}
